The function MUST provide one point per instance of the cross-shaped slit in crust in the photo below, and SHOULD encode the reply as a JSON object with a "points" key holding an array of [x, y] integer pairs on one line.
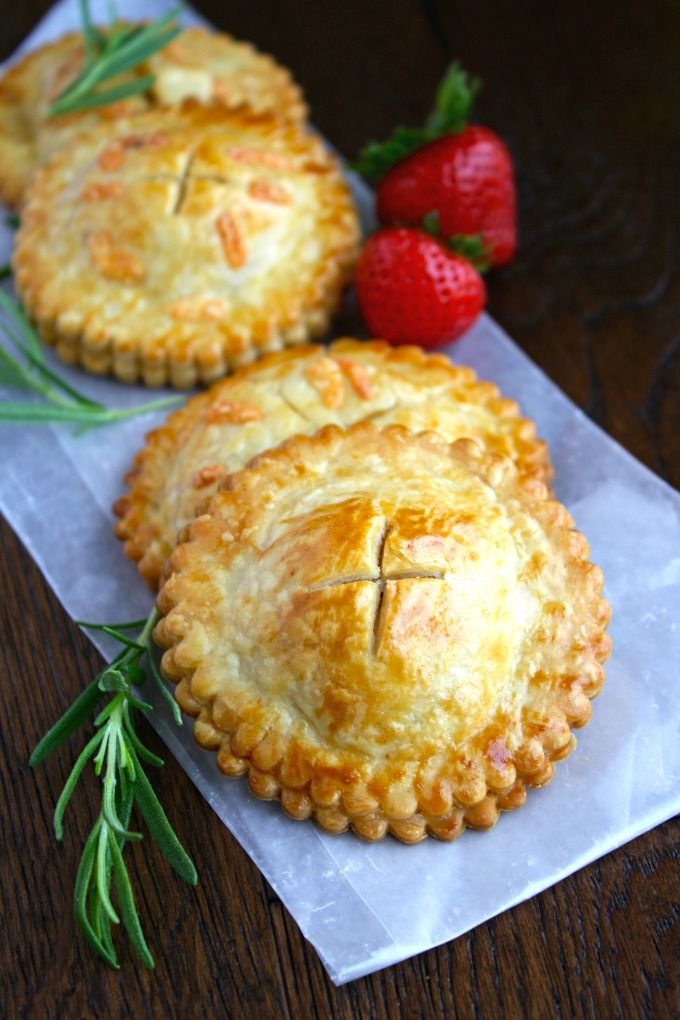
{"points": [[183, 179], [186, 176], [183, 182], [380, 578], [296, 410], [378, 621]]}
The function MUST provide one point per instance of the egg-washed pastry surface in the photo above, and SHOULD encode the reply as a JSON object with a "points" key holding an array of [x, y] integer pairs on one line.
{"points": [[207, 66], [185, 243], [385, 631], [298, 391], [214, 68]]}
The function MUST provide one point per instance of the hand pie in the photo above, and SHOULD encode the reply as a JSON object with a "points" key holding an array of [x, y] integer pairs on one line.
{"points": [[296, 392], [198, 64], [185, 243], [385, 631]]}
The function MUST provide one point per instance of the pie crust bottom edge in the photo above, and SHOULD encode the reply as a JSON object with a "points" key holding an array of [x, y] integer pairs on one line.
{"points": [[371, 825]]}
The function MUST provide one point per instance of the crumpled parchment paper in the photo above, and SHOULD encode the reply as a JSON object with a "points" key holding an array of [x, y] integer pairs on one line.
{"points": [[366, 906]]}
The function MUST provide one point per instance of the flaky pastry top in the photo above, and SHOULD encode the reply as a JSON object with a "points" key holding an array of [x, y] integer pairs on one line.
{"points": [[385, 630], [184, 243], [210, 67], [298, 391]]}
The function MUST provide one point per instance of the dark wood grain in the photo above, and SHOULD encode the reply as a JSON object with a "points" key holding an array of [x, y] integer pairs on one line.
{"points": [[586, 95]]}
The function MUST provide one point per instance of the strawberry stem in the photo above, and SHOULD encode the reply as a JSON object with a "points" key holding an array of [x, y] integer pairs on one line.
{"points": [[453, 102], [430, 223], [471, 246]]}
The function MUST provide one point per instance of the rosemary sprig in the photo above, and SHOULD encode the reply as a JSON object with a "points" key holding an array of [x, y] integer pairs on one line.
{"points": [[109, 54], [117, 754], [61, 402]]}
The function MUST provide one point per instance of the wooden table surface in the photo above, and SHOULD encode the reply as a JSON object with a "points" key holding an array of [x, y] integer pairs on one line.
{"points": [[586, 96]]}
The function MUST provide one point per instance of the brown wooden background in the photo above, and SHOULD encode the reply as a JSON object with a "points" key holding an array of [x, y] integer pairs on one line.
{"points": [[586, 95]]}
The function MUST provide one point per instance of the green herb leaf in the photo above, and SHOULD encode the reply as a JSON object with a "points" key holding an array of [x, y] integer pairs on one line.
{"points": [[21, 332], [8, 377], [128, 642], [142, 752], [131, 412], [89, 34], [103, 873], [101, 922], [80, 900], [130, 625], [139, 47], [143, 706], [14, 374], [160, 827], [162, 686], [92, 100], [81, 709], [116, 751], [120, 49], [109, 807], [12, 411], [71, 782], [114, 680], [136, 674], [128, 907], [62, 402]]}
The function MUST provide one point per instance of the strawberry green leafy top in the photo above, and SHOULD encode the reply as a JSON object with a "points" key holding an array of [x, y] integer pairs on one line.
{"points": [[453, 103]]}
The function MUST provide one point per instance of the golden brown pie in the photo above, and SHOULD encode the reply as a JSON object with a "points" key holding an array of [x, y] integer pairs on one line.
{"points": [[298, 391], [198, 64], [385, 631], [185, 243]]}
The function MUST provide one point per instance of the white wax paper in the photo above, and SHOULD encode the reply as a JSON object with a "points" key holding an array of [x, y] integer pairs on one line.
{"points": [[364, 907]]}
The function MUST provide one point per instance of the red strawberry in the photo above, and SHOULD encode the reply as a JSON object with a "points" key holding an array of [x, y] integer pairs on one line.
{"points": [[462, 173], [412, 289], [468, 179]]}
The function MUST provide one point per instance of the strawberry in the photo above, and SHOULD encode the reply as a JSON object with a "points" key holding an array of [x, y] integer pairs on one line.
{"points": [[462, 172], [413, 289], [468, 179]]}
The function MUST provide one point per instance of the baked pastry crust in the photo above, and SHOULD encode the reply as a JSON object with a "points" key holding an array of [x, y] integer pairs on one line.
{"points": [[185, 244], [297, 391], [385, 631], [207, 66], [212, 67]]}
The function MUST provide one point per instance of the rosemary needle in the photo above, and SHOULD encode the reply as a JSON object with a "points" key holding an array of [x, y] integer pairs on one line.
{"points": [[60, 402], [118, 757], [109, 54]]}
